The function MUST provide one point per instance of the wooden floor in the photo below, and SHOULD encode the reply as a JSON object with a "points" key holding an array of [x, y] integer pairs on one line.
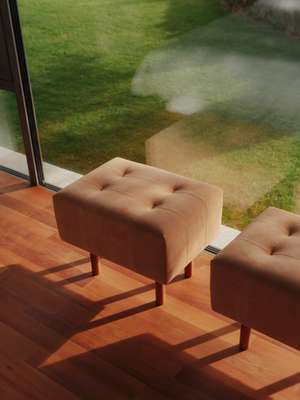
{"points": [[66, 335]]}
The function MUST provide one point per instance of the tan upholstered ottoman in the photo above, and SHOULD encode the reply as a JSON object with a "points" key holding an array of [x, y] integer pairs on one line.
{"points": [[256, 279], [146, 219]]}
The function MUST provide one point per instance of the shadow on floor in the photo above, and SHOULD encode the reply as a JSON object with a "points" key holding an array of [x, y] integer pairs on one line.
{"points": [[14, 187], [173, 373], [50, 317]]}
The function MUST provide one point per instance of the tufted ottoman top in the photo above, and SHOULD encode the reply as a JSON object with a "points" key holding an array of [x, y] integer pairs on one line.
{"points": [[139, 216], [270, 247]]}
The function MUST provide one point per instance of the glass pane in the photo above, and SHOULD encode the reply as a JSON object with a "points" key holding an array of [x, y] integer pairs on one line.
{"points": [[190, 86], [11, 142]]}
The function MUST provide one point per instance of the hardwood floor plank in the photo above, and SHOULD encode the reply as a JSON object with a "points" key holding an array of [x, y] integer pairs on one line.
{"points": [[28, 209], [30, 382], [101, 337], [51, 351], [11, 391]]}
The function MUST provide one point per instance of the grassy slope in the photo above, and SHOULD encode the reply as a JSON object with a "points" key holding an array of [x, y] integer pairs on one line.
{"points": [[83, 56], [246, 139]]}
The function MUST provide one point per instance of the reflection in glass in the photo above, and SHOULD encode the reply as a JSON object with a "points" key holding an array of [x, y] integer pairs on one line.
{"points": [[11, 143]]}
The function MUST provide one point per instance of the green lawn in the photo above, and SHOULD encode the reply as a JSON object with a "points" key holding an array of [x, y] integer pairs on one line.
{"points": [[83, 57], [121, 78], [240, 79]]}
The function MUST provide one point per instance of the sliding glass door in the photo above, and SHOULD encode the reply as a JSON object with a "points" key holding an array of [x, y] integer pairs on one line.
{"points": [[11, 144], [196, 87], [18, 123]]}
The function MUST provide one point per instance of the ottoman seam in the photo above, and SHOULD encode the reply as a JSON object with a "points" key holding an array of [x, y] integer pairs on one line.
{"points": [[255, 244], [287, 255]]}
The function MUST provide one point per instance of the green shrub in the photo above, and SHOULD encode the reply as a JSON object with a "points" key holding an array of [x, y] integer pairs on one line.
{"points": [[236, 5], [274, 12]]}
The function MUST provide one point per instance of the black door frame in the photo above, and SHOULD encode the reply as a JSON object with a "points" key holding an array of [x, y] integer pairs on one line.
{"points": [[20, 85]]}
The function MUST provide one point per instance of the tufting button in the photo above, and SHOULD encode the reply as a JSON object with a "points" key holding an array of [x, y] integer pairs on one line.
{"points": [[126, 172], [157, 203], [176, 188], [275, 249], [291, 231]]}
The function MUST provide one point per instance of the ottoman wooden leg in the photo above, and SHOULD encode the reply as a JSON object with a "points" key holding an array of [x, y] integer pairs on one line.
{"points": [[160, 293], [188, 271], [244, 337], [95, 264]]}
